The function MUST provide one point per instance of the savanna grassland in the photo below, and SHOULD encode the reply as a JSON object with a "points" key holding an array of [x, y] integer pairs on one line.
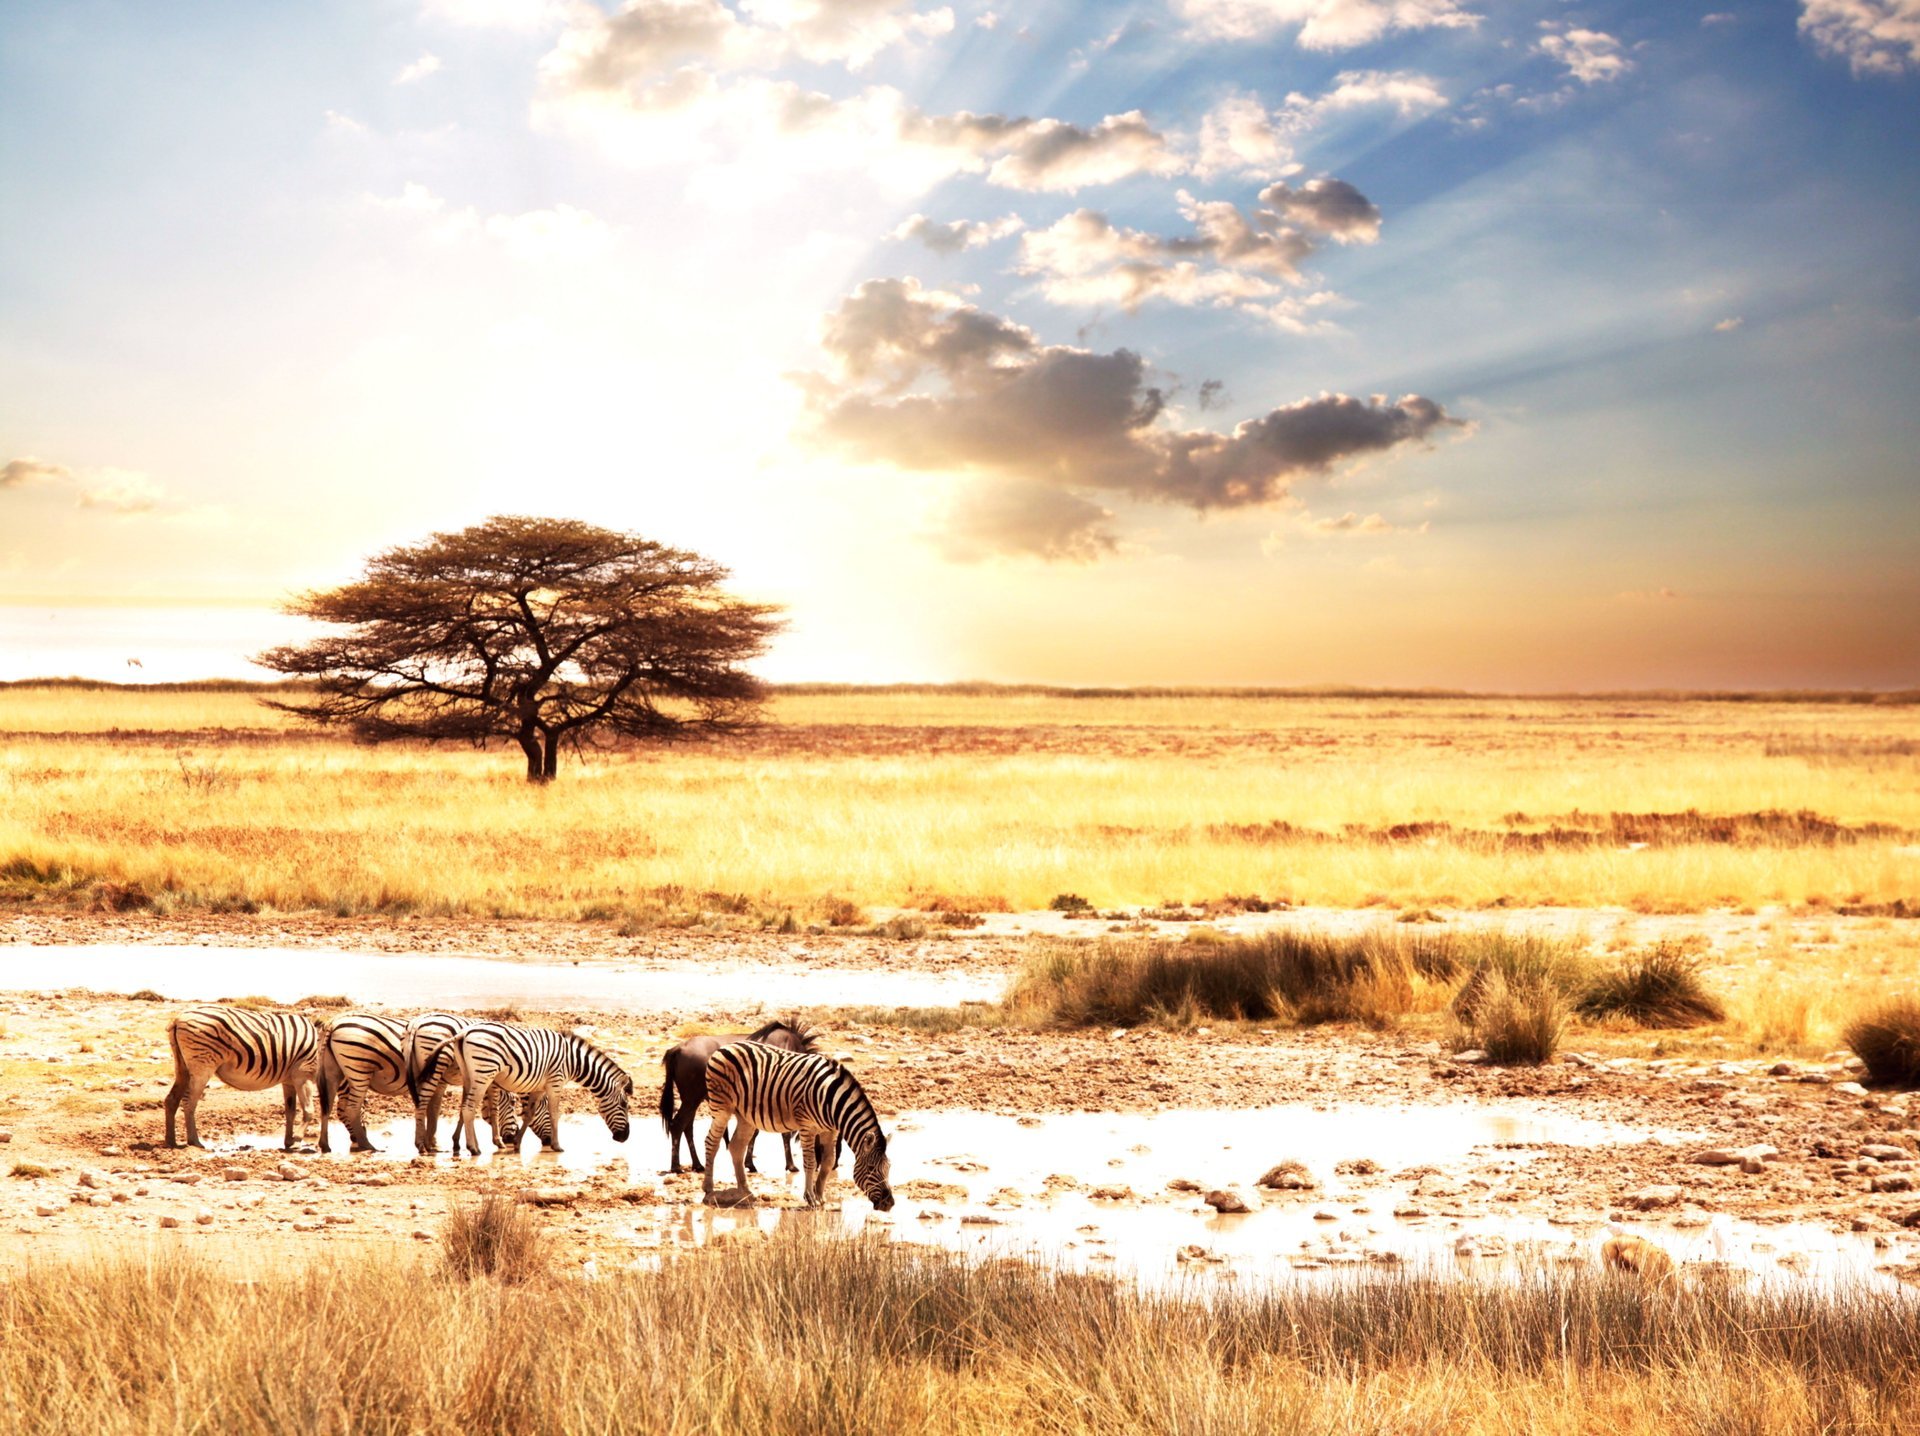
{"points": [[979, 799]]}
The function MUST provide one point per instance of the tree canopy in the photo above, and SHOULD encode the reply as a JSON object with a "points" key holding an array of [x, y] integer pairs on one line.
{"points": [[547, 633]]}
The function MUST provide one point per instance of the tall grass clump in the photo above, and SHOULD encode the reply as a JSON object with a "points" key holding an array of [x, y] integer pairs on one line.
{"points": [[1289, 977], [1887, 1039], [1518, 1023], [1660, 987], [866, 1338], [497, 1238]]}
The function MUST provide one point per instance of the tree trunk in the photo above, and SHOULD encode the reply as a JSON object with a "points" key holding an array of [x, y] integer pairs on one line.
{"points": [[536, 769], [550, 762]]}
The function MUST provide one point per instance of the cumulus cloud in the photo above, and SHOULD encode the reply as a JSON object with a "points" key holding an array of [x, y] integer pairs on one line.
{"points": [[1591, 56], [1408, 94], [561, 233], [1027, 519], [419, 70], [1729, 324], [1232, 259], [1239, 134], [27, 470], [922, 380], [958, 234], [116, 491], [1874, 37], [665, 79], [1320, 24], [849, 31]]}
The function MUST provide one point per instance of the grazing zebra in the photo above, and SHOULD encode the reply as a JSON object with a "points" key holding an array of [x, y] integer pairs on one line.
{"points": [[530, 1060], [359, 1054], [433, 1065], [685, 1067], [245, 1049], [800, 1092]]}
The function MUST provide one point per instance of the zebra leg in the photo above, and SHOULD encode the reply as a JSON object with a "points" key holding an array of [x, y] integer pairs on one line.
{"points": [[716, 1130], [543, 1120], [826, 1160], [739, 1148], [786, 1150], [810, 1158], [753, 1166], [327, 1094], [355, 1116], [471, 1096], [290, 1094]]}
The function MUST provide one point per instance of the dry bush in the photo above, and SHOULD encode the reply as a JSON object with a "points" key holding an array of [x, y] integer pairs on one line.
{"points": [[1660, 987], [1280, 976], [495, 1238], [1887, 1039], [866, 1338], [1518, 1023]]}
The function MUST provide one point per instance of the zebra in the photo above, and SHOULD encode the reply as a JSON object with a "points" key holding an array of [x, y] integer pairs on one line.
{"points": [[684, 1067], [433, 1065], [530, 1060], [799, 1092], [244, 1048], [359, 1053]]}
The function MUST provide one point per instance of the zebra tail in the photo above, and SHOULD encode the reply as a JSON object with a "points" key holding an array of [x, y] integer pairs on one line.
{"points": [[173, 1041], [666, 1088]]}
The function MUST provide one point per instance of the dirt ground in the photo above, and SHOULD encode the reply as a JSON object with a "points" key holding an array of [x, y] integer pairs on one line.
{"points": [[82, 1077]]}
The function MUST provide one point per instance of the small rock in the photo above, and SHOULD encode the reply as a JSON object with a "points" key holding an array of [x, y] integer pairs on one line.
{"points": [[99, 1199], [1885, 1152], [234, 1174], [1112, 1194], [169, 1221], [203, 1218], [95, 1178], [46, 1210], [185, 1179], [5, 1137], [1893, 1182], [421, 1236], [1649, 1199], [1358, 1167], [979, 1219], [1850, 1089], [1194, 1253], [1325, 1214], [1472, 1054], [1288, 1176], [550, 1196], [1752, 1166], [307, 1224], [338, 1219], [1184, 1184], [373, 1179], [1782, 1069], [1734, 1156], [1228, 1202], [1708, 1084], [112, 1151], [1408, 1212]]}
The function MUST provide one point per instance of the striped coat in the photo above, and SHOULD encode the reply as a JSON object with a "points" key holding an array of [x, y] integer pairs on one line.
{"points": [[360, 1054], [532, 1061], [801, 1092], [245, 1048]]}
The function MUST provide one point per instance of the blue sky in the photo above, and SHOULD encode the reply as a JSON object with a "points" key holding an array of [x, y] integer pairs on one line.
{"points": [[1530, 345]]}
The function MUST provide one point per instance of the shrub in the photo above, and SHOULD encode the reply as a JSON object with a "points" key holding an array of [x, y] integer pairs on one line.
{"points": [[323, 1000], [1887, 1039], [1518, 962], [1519, 1024], [30, 1171], [497, 1238], [1659, 988], [1068, 902], [1281, 976]]}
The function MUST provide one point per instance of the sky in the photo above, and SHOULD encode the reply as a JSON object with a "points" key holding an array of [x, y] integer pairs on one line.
{"points": [[1501, 344]]}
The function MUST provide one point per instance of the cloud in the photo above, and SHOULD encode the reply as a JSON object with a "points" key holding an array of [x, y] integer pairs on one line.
{"points": [[1239, 134], [1022, 518], [22, 472], [851, 32], [1351, 525], [118, 491], [561, 233], [1729, 324], [958, 234], [1409, 94], [663, 81], [922, 381], [1321, 24], [419, 70], [1591, 56], [1232, 259], [1874, 37]]}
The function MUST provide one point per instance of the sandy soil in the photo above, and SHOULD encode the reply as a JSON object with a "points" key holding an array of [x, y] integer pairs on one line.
{"points": [[82, 1078]]}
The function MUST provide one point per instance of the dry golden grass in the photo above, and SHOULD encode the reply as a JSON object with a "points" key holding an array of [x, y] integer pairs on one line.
{"points": [[857, 1337], [1001, 799]]}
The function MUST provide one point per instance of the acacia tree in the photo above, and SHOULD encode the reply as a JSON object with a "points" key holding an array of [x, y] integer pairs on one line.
{"points": [[547, 633]]}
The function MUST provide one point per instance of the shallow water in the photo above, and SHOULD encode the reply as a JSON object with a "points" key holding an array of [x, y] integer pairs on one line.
{"points": [[1348, 1225], [208, 973]]}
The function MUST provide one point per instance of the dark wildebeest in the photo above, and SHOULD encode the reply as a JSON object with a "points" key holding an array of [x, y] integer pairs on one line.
{"points": [[685, 1067]]}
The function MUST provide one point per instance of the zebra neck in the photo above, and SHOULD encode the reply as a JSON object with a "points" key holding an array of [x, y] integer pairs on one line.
{"points": [[577, 1063]]}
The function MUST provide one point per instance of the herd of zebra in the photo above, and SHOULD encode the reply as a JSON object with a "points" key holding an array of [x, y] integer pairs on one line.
{"points": [[767, 1080]]}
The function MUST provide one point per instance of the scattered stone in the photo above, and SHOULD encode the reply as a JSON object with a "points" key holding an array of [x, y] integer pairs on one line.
{"points": [[1192, 1253], [1184, 1184], [95, 1178], [1885, 1152], [46, 1210], [234, 1174], [112, 1151], [1893, 1182], [422, 1236], [550, 1196], [373, 1179], [336, 1219], [99, 1199], [1227, 1202], [1850, 1089], [1649, 1199], [307, 1224], [1117, 1193], [1471, 1055], [169, 1220], [1480, 1244], [1782, 1069], [1325, 1214], [1708, 1084], [287, 1172], [203, 1218], [1734, 1156], [979, 1219], [1358, 1167], [185, 1179], [1288, 1176], [5, 1137], [1408, 1212]]}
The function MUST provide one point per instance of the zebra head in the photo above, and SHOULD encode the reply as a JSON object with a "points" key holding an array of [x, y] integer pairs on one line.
{"points": [[870, 1171], [615, 1101], [612, 1088]]}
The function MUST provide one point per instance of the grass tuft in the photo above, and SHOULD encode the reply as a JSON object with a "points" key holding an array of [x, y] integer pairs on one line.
{"points": [[1660, 987], [1887, 1039], [496, 1238], [1519, 1023]]}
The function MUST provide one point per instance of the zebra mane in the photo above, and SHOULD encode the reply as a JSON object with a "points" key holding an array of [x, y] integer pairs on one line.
{"points": [[798, 1028], [595, 1050]]}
